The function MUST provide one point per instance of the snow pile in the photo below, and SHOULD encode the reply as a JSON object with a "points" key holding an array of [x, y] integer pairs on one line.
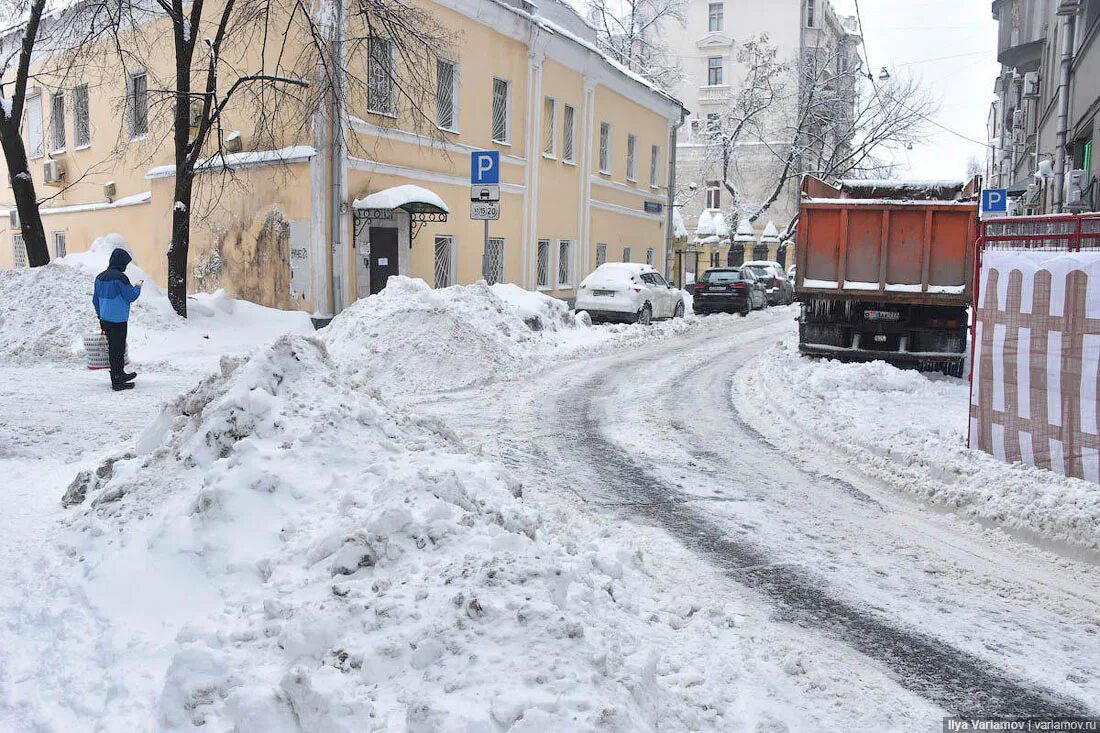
{"points": [[413, 338], [909, 430], [285, 554]]}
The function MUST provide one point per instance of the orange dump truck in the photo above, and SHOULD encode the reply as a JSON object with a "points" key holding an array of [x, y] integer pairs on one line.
{"points": [[885, 269]]}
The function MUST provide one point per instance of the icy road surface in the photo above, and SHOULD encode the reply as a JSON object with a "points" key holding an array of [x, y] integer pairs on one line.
{"points": [[970, 620]]}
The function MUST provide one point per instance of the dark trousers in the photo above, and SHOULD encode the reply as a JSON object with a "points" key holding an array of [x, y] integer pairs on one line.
{"points": [[116, 347]]}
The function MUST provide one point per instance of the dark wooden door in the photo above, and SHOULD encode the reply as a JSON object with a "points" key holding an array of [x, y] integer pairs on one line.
{"points": [[383, 256]]}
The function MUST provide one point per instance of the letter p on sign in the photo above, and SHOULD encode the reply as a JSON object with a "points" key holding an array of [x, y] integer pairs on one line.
{"points": [[485, 168], [994, 203]]}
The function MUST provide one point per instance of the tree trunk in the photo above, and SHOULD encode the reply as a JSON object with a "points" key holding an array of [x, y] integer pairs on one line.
{"points": [[181, 243], [26, 201]]}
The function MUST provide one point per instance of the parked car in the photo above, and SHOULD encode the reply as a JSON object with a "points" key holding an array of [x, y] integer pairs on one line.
{"points": [[791, 272], [780, 289], [626, 292], [729, 290]]}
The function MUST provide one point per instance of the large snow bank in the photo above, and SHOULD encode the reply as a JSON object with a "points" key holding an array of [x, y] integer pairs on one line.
{"points": [[285, 553], [46, 311], [909, 430]]}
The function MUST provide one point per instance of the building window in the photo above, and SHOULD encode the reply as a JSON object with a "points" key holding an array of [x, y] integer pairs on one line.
{"points": [[138, 104], [492, 261], [714, 70], [60, 246], [631, 157], [33, 121], [446, 79], [444, 261], [809, 13], [542, 265], [714, 125], [380, 99], [628, 254], [605, 147], [714, 195], [549, 107], [650, 256], [565, 263], [57, 122], [715, 17], [501, 102], [601, 254], [82, 131], [568, 134], [18, 250], [654, 164]]}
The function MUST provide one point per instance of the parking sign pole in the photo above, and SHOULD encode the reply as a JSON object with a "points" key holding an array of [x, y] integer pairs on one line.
{"points": [[486, 248]]}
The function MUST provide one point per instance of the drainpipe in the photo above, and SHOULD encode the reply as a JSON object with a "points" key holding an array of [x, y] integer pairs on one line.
{"points": [[670, 235], [1068, 11], [338, 169]]}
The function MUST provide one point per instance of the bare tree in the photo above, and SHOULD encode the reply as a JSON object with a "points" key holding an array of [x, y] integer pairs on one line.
{"points": [[632, 33]]}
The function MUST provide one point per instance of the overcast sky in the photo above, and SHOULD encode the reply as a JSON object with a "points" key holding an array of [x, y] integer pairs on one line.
{"points": [[915, 37]]}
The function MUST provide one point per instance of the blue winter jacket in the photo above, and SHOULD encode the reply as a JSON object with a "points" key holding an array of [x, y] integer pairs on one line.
{"points": [[113, 292]]}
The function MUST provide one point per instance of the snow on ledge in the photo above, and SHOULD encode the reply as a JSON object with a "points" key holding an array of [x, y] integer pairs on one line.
{"points": [[398, 196], [138, 198], [809, 283], [233, 161]]}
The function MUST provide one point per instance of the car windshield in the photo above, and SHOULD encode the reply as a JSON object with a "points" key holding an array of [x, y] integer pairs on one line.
{"points": [[721, 276]]}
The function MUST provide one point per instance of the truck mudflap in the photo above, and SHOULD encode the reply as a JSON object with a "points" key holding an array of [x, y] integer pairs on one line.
{"points": [[946, 362]]}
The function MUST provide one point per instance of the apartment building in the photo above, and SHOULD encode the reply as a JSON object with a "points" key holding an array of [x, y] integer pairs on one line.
{"points": [[1046, 110], [707, 50], [324, 213]]}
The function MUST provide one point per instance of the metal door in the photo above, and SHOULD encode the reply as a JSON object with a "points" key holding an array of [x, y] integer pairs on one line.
{"points": [[383, 257]]}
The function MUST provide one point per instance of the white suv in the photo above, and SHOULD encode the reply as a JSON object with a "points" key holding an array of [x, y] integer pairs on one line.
{"points": [[628, 293]]}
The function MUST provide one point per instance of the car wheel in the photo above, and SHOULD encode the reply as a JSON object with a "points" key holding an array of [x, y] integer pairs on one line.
{"points": [[747, 309], [679, 312], [645, 315]]}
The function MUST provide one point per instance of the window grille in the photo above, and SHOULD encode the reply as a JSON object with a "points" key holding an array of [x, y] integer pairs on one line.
{"points": [[60, 245], [601, 254], [446, 95], [492, 268], [568, 135], [138, 104], [542, 266], [57, 122], [628, 253], [605, 147], [650, 256], [500, 110], [444, 261], [548, 109], [82, 131], [18, 250], [631, 157], [565, 263], [380, 77]]}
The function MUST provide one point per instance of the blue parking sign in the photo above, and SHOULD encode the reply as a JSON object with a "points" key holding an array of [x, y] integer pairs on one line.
{"points": [[994, 202], [485, 168]]}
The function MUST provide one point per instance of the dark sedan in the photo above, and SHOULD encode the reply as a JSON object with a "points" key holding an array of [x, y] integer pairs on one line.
{"points": [[728, 290]]}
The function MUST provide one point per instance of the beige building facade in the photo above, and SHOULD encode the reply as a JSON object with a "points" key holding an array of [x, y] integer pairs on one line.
{"points": [[307, 224]]}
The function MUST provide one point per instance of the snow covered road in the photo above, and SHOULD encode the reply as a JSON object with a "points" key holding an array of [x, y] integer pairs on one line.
{"points": [[915, 600]]}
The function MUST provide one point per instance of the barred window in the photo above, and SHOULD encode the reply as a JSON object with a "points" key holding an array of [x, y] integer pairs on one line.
{"points": [[650, 256], [82, 131], [549, 107], [654, 164], [631, 157], [380, 97], [565, 263], [447, 95], [605, 147], [628, 253], [18, 250], [33, 122], [568, 134], [444, 261], [492, 262], [601, 254], [57, 122], [60, 245], [137, 106], [501, 102], [542, 265]]}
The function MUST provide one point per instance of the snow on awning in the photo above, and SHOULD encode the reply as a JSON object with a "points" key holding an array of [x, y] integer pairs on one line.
{"points": [[413, 199]]}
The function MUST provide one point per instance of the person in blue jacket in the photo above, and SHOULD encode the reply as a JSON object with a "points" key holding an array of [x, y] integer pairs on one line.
{"points": [[111, 299]]}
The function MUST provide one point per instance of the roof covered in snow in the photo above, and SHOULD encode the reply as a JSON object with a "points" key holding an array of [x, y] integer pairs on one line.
{"points": [[409, 197]]}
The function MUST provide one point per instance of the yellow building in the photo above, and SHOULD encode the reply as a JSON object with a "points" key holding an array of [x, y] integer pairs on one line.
{"points": [[305, 223]]}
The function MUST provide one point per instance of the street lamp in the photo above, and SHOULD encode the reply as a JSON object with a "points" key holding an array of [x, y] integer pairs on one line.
{"points": [[884, 75]]}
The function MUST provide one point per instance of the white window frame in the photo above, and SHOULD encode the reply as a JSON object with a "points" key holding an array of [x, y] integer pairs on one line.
{"points": [[565, 262], [454, 126], [716, 20], [569, 134], [716, 80], [390, 110], [60, 243], [549, 127], [34, 102], [19, 250], [810, 12], [601, 254], [605, 148], [452, 256], [543, 269], [628, 253], [506, 139], [655, 166], [132, 104], [632, 158], [57, 123], [81, 105], [650, 256], [714, 195]]}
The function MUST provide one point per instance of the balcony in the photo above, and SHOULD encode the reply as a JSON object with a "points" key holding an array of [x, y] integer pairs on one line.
{"points": [[714, 95]]}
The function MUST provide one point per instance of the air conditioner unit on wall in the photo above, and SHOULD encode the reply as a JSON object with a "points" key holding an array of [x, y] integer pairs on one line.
{"points": [[53, 172], [1031, 85], [1073, 194]]}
